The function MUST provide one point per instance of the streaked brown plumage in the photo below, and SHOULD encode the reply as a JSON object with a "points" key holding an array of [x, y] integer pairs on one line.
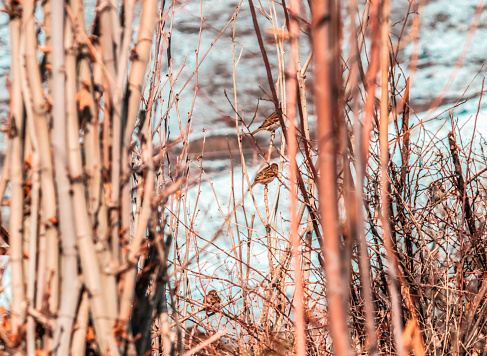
{"points": [[266, 175], [270, 124], [436, 192], [213, 299]]}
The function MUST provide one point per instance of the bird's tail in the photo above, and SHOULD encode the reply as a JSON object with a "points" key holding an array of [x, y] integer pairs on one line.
{"points": [[258, 130]]}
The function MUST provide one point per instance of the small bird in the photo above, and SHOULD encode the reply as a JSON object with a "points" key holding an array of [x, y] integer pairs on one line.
{"points": [[266, 175], [270, 124], [436, 192], [213, 299]]}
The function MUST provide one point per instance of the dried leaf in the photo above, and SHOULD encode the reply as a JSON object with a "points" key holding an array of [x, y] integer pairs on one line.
{"points": [[120, 332], [6, 324], [108, 188], [407, 334], [27, 187], [45, 49], [90, 334], [28, 162], [13, 338], [84, 98], [122, 231], [40, 352], [121, 284], [412, 337]]}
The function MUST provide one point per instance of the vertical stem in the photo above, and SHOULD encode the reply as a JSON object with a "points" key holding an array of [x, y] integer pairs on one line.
{"points": [[307, 250], [266, 201], [370, 80], [264, 57], [384, 159], [84, 231], [141, 54], [78, 346], [113, 114], [36, 92], [327, 184], [16, 176], [359, 227], [269, 150], [30, 232], [69, 284], [124, 206], [41, 264], [292, 149], [31, 325]]}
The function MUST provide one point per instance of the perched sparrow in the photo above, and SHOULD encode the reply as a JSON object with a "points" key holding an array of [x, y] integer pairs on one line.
{"points": [[436, 192], [266, 175], [270, 124], [213, 299]]}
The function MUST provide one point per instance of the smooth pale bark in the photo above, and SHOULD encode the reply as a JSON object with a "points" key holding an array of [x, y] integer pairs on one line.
{"points": [[32, 262], [109, 28], [118, 92], [83, 223], [78, 346], [31, 220], [41, 123], [69, 283], [16, 178], [80, 208], [140, 59], [97, 211]]}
